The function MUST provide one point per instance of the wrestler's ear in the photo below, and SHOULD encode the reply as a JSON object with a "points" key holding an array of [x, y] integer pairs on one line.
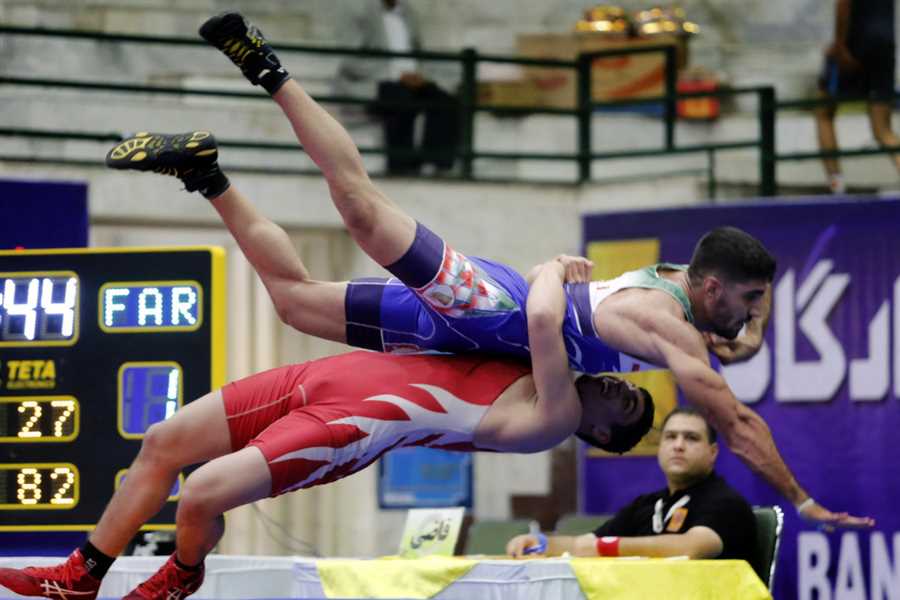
{"points": [[712, 286], [602, 434]]}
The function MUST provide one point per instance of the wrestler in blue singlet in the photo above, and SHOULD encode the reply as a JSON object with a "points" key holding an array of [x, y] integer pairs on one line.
{"points": [[445, 302]]}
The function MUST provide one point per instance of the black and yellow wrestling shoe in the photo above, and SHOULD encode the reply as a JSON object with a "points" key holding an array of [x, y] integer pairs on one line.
{"points": [[244, 44], [191, 157]]}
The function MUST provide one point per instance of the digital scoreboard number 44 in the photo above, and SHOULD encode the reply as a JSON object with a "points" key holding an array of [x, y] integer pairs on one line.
{"points": [[97, 345]]}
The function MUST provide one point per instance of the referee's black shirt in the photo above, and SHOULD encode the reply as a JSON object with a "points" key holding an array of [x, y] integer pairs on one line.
{"points": [[713, 503]]}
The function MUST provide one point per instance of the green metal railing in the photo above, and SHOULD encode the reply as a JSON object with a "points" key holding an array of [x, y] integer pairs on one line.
{"points": [[809, 103], [469, 60]]}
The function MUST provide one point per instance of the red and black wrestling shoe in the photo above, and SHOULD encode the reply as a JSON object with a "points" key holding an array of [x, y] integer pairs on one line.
{"points": [[68, 581], [171, 582]]}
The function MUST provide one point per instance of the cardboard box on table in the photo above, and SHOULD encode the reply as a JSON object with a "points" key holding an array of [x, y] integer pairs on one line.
{"points": [[510, 93], [613, 78]]}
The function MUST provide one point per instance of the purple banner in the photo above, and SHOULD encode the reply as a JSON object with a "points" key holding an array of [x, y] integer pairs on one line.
{"points": [[827, 382], [43, 214]]}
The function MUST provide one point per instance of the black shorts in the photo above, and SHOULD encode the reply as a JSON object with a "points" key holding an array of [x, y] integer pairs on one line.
{"points": [[874, 81]]}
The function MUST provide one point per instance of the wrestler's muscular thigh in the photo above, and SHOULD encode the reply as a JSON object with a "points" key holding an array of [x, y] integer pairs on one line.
{"points": [[377, 225], [380, 228], [197, 432], [314, 307]]}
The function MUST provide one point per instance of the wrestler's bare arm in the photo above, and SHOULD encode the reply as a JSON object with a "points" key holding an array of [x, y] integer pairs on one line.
{"points": [[556, 412], [578, 269], [745, 432], [546, 310]]}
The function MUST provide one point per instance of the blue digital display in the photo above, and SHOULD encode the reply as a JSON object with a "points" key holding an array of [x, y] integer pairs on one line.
{"points": [[38, 308], [148, 393], [425, 478], [150, 306]]}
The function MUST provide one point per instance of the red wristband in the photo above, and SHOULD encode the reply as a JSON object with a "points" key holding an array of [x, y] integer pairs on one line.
{"points": [[608, 545]]}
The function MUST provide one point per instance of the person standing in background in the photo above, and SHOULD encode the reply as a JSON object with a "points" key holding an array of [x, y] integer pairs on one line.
{"points": [[859, 62], [392, 25]]}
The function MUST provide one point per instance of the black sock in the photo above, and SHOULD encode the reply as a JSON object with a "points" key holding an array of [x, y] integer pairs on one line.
{"points": [[185, 567], [96, 562], [273, 80], [209, 181], [214, 184]]}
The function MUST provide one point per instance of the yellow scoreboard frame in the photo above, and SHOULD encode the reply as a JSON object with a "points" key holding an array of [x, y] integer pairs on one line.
{"points": [[97, 344]]}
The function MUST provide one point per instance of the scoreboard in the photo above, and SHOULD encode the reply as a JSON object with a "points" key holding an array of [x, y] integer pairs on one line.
{"points": [[96, 345]]}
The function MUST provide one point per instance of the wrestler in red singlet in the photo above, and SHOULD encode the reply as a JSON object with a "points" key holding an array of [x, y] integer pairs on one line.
{"points": [[322, 420]]}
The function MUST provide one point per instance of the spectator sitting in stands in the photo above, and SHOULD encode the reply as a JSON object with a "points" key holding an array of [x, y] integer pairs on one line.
{"points": [[697, 515], [859, 62], [392, 25]]}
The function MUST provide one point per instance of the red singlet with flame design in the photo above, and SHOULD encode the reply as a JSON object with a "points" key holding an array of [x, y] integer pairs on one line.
{"points": [[322, 420]]}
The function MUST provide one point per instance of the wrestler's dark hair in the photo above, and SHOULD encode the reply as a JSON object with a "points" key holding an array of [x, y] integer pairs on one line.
{"points": [[692, 412], [623, 438], [732, 254]]}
